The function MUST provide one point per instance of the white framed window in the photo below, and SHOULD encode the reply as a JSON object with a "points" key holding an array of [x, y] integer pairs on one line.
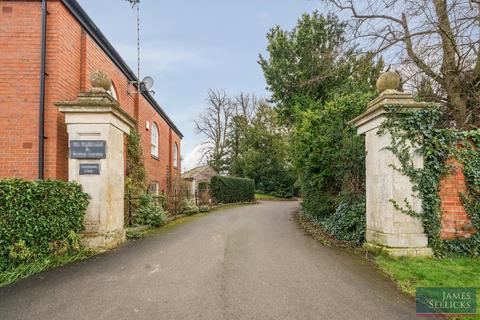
{"points": [[154, 188], [154, 140], [175, 155]]}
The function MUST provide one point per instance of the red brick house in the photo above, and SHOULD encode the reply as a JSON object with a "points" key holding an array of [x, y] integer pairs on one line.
{"points": [[57, 39]]}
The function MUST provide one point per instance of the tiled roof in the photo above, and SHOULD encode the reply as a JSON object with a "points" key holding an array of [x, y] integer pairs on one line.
{"points": [[194, 172]]}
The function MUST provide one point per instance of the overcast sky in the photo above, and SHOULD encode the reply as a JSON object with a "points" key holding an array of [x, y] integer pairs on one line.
{"points": [[189, 46]]}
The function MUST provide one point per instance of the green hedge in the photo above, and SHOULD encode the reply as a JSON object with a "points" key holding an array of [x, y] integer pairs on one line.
{"points": [[39, 218], [231, 189]]}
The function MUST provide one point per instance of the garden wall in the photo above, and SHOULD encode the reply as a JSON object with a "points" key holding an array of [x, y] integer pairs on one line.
{"points": [[455, 220]]}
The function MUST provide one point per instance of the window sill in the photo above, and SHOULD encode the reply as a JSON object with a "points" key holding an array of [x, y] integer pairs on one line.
{"points": [[155, 157]]}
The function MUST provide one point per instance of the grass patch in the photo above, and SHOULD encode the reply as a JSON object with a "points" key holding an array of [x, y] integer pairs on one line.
{"points": [[222, 206], [182, 220], [133, 234], [410, 273], [261, 196], [43, 264]]}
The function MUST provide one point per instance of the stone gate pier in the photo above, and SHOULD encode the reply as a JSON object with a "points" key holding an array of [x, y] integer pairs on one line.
{"points": [[388, 229], [96, 128]]}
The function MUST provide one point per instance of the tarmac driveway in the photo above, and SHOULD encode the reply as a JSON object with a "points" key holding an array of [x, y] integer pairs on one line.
{"points": [[251, 262]]}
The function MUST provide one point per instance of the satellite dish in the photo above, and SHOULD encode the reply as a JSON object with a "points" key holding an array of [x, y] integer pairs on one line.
{"points": [[147, 83]]}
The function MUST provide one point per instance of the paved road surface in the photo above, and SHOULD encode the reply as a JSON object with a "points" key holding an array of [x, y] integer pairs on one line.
{"points": [[251, 262]]}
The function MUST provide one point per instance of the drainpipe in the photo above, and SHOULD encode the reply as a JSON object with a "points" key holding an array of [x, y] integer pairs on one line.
{"points": [[41, 124]]}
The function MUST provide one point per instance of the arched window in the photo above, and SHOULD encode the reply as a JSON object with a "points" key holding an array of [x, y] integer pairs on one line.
{"points": [[154, 140], [175, 155]]}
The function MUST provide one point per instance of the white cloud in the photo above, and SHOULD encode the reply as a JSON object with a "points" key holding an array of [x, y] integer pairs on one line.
{"points": [[193, 158]]}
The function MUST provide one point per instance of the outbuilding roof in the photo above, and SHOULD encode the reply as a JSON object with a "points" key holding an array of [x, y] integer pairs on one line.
{"points": [[195, 172]]}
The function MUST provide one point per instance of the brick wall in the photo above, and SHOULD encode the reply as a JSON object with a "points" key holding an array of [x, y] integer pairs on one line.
{"points": [[72, 55], [20, 39], [157, 167], [455, 220], [63, 83]]}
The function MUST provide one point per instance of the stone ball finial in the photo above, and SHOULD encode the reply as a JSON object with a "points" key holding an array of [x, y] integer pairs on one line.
{"points": [[389, 80], [100, 81]]}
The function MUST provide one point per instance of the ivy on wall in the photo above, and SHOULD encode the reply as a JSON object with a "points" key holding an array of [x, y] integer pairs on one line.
{"points": [[136, 174], [135, 178], [420, 132], [471, 169]]}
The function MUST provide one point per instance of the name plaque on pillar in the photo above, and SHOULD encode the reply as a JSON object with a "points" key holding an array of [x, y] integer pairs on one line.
{"points": [[90, 168], [88, 149], [95, 121]]}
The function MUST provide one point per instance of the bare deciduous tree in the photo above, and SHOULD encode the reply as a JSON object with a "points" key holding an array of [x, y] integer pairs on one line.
{"points": [[223, 123], [246, 105], [440, 38], [214, 124]]}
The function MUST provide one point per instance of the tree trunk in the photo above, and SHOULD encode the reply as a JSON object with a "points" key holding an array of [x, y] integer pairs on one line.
{"points": [[458, 101], [457, 94]]}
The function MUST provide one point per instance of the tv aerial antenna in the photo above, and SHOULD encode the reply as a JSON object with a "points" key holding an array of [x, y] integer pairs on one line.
{"points": [[147, 83]]}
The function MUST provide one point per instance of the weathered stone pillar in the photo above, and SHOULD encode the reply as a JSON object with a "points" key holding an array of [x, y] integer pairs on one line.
{"points": [[388, 229], [96, 127]]}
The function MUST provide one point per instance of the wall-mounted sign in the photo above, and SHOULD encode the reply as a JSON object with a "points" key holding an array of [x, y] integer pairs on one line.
{"points": [[88, 149], [89, 168]]}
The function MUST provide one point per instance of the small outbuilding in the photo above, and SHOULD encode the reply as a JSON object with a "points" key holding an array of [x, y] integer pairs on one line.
{"points": [[198, 175]]}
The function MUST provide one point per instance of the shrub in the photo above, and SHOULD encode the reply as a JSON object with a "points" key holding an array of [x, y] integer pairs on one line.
{"points": [[132, 234], [37, 216], [19, 252], [285, 191], [189, 207], [150, 212], [232, 189], [348, 222], [204, 208], [163, 200]]}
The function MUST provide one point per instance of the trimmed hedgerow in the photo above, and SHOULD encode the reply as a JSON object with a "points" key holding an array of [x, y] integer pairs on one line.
{"points": [[39, 218], [232, 189]]}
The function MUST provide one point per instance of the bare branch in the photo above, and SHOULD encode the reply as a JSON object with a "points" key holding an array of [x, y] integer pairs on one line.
{"points": [[440, 38]]}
